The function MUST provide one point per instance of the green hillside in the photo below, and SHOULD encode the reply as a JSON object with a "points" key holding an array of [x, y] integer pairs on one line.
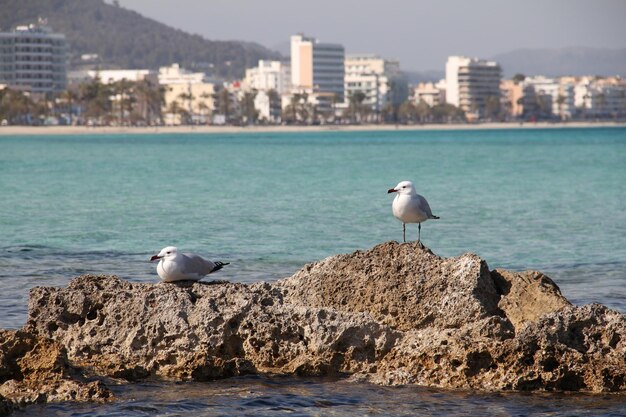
{"points": [[125, 39]]}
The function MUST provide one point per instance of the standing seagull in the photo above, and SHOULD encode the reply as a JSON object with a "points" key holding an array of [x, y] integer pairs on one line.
{"points": [[174, 266], [410, 207]]}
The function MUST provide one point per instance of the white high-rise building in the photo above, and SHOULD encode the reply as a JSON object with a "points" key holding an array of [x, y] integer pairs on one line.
{"points": [[33, 58], [380, 80], [317, 68], [269, 75], [471, 82]]}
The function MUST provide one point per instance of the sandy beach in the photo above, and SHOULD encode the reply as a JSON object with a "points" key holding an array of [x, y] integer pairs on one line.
{"points": [[86, 130]]}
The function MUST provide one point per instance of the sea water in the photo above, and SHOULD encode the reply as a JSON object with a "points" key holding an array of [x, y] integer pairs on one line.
{"points": [[545, 199]]}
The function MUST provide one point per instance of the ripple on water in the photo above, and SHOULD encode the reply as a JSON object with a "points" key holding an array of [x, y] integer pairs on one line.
{"points": [[277, 396]]}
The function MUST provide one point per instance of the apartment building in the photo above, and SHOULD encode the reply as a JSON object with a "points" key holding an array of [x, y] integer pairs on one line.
{"points": [[379, 79], [432, 94], [33, 58], [600, 97], [269, 75], [317, 69], [471, 84], [187, 94], [548, 97], [512, 94], [113, 76]]}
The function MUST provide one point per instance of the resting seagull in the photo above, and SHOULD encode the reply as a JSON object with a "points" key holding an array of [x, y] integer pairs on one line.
{"points": [[174, 266], [410, 207]]}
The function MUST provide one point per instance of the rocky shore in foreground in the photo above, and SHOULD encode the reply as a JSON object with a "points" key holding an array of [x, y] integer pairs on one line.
{"points": [[395, 314]]}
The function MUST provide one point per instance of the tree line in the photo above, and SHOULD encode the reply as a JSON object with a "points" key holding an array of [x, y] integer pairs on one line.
{"points": [[142, 103]]}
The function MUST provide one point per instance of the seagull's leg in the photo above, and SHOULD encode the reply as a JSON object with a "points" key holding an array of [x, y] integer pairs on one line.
{"points": [[404, 232], [419, 232]]}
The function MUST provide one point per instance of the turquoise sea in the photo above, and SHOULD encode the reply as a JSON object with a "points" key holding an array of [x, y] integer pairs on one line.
{"points": [[546, 199]]}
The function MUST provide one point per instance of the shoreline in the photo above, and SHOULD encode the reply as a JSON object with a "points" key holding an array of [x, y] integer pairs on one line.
{"points": [[86, 130]]}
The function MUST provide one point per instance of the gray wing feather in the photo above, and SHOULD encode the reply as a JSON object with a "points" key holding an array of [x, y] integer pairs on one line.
{"points": [[197, 264], [423, 204]]}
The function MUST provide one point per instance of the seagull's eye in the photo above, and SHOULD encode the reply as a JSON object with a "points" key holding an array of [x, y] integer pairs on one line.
{"points": [[404, 186], [169, 253]]}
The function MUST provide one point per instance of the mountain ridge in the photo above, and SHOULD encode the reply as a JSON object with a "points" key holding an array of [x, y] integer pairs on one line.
{"points": [[124, 38], [571, 60]]}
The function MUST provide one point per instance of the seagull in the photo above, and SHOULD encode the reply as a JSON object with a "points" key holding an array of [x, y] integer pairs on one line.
{"points": [[410, 207], [174, 266]]}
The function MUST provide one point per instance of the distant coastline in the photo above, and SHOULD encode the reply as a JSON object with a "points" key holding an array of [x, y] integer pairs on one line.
{"points": [[86, 130]]}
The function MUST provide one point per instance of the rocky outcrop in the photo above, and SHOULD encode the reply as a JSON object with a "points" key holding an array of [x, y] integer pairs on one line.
{"points": [[395, 314], [35, 369], [201, 331]]}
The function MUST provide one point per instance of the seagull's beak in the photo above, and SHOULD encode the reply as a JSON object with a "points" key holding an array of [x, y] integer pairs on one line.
{"points": [[391, 190], [155, 257]]}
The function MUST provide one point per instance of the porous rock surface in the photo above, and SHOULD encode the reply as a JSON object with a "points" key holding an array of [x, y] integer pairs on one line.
{"points": [[395, 314], [35, 369]]}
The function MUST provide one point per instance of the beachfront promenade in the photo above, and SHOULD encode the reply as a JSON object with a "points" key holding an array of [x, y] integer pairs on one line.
{"points": [[87, 130]]}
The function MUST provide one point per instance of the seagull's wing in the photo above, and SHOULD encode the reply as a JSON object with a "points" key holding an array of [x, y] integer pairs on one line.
{"points": [[423, 205], [194, 264]]}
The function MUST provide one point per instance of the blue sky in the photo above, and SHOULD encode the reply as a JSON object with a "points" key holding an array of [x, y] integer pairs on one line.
{"points": [[421, 34]]}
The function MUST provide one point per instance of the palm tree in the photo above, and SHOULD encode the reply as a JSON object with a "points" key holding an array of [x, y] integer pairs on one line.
{"points": [[223, 104], [423, 111], [175, 109], [299, 110], [123, 93], [95, 98], [601, 102], [560, 100], [205, 109], [151, 99], [15, 106], [519, 78], [188, 98], [69, 97], [355, 106], [248, 110], [492, 107]]}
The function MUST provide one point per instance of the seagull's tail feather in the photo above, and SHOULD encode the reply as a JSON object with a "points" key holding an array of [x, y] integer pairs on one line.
{"points": [[435, 217], [219, 265]]}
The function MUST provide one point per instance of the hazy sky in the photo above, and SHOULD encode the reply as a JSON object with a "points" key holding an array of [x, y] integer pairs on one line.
{"points": [[420, 34]]}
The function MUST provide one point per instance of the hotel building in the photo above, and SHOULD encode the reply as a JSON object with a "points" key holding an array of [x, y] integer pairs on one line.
{"points": [[380, 80], [317, 69], [432, 94], [470, 82], [547, 97], [269, 75], [33, 58], [188, 92]]}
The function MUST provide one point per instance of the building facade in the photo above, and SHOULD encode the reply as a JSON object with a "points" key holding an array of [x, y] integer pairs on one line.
{"points": [[317, 68], [548, 98], [113, 76], [380, 80], [268, 106], [189, 97], [512, 97], [34, 59], [269, 75], [174, 74], [600, 97], [430, 93], [473, 85]]}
